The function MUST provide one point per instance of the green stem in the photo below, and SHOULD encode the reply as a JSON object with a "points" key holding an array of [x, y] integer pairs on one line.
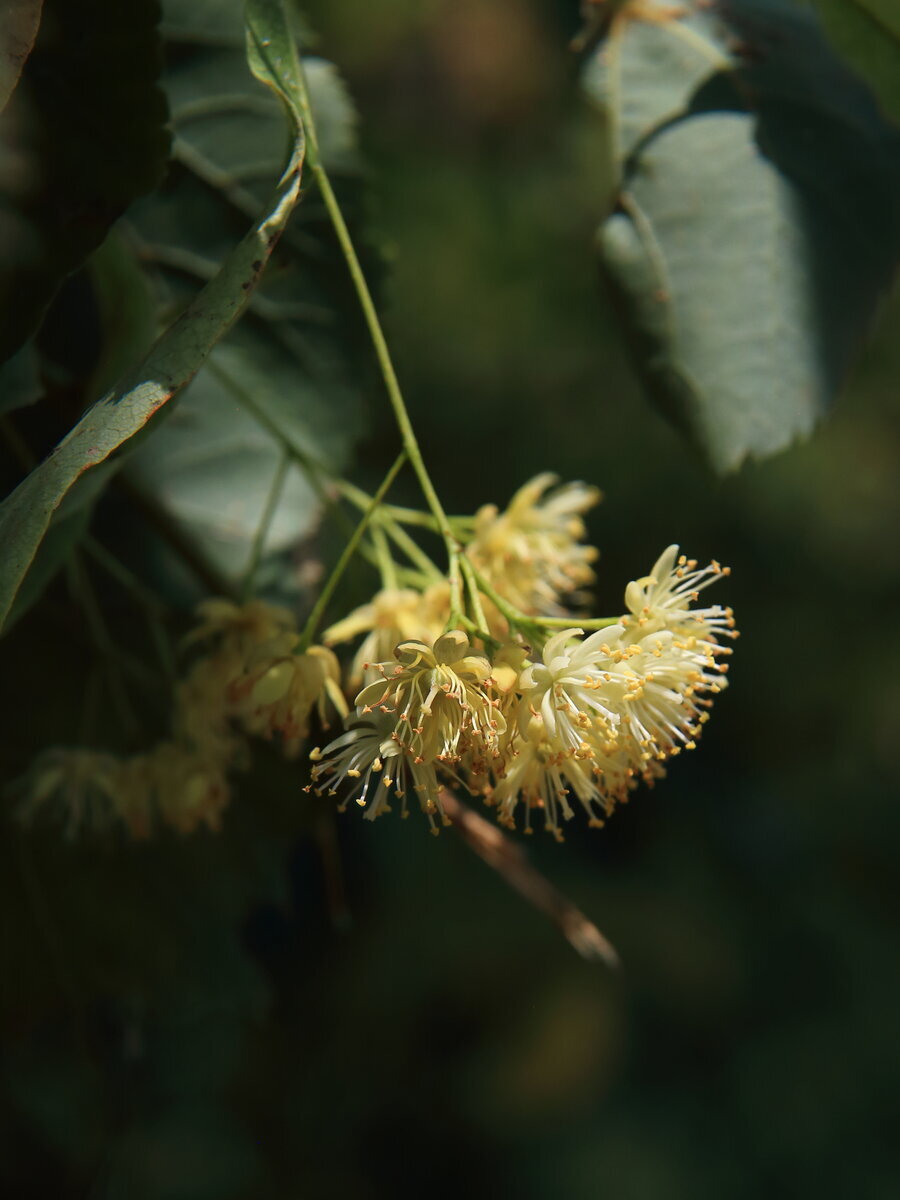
{"points": [[152, 605], [315, 617], [265, 524], [386, 564], [395, 532], [475, 599], [516, 618], [529, 625], [412, 550], [389, 375], [584, 623], [81, 586]]}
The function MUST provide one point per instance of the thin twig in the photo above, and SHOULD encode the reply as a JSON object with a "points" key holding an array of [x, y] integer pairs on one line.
{"points": [[318, 611], [273, 499], [507, 859]]}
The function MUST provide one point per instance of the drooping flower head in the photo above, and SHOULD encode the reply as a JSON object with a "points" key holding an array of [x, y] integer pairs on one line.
{"points": [[190, 790], [281, 689], [533, 552], [73, 786], [541, 775], [664, 599], [368, 765], [237, 629], [436, 694], [569, 691]]}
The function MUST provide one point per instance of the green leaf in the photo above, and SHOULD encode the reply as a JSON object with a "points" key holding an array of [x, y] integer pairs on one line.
{"points": [[645, 73], [68, 527], [126, 311], [19, 21], [211, 465], [284, 378], [758, 216], [83, 135], [172, 363], [724, 334]]}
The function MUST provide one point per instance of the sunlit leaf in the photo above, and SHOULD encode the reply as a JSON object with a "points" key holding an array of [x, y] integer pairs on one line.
{"points": [[725, 341], [758, 221]]}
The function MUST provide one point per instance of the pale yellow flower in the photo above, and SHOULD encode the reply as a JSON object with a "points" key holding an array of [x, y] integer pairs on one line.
{"points": [[568, 690], [281, 689], [666, 598], [204, 709], [242, 626], [666, 687], [533, 552], [190, 791], [543, 775], [437, 696], [75, 786], [367, 765], [393, 615]]}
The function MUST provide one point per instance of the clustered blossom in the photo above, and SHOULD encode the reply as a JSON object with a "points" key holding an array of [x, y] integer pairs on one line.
{"points": [[579, 723], [532, 552], [250, 679], [524, 715]]}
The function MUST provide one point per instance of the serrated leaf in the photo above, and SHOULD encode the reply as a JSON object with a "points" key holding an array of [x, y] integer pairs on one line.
{"points": [[177, 356], [19, 21], [83, 135], [759, 215], [726, 342], [645, 73]]}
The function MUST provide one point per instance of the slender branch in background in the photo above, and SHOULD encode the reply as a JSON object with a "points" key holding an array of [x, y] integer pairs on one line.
{"points": [[115, 659], [412, 550], [397, 534], [153, 607], [389, 375], [507, 859], [315, 617], [265, 524]]}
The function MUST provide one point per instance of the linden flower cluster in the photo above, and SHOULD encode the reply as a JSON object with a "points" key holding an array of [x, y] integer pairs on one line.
{"points": [[532, 553], [250, 680], [526, 716], [508, 695]]}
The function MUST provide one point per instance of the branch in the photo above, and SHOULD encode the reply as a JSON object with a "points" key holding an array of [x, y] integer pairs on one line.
{"points": [[508, 860]]}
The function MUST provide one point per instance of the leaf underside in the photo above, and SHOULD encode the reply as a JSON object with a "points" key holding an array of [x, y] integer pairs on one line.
{"points": [[757, 220]]}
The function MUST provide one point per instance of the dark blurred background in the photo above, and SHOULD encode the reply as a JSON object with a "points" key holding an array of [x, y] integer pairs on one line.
{"points": [[392, 1019]]}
